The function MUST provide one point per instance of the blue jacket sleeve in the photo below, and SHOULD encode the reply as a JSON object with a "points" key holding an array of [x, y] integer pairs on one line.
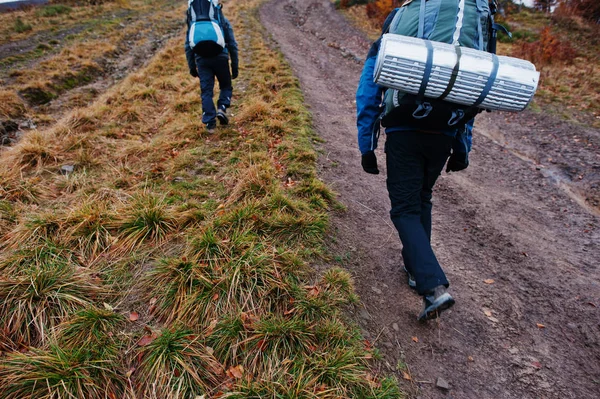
{"points": [[232, 46], [368, 101], [369, 97]]}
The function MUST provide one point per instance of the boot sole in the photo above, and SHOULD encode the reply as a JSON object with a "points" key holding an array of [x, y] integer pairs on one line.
{"points": [[434, 310], [223, 120]]}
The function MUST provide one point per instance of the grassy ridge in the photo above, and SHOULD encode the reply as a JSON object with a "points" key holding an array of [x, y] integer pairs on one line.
{"points": [[172, 263]]}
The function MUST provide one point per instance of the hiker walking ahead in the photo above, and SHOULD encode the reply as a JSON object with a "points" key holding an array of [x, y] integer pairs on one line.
{"points": [[418, 144], [208, 45]]}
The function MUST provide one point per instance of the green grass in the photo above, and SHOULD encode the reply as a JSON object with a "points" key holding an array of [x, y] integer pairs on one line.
{"points": [[20, 26], [53, 10]]}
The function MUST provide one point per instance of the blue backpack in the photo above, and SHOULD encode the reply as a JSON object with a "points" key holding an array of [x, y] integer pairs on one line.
{"points": [[205, 33]]}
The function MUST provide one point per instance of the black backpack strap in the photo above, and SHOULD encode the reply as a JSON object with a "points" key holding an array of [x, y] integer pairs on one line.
{"points": [[427, 72], [490, 82], [454, 75]]}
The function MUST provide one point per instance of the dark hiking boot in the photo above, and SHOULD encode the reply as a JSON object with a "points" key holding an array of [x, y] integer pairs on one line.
{"points": [[210, 127], [412, 283], [435, 302], [222, 116]]}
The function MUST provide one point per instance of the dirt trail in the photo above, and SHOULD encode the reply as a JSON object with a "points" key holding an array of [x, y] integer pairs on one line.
{"points": [[506, 218]]}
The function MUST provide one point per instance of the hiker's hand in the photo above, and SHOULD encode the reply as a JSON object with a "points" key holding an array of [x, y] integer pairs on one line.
{"points": [[369, 163], [234, 71], [457, 162], [193, 72]]}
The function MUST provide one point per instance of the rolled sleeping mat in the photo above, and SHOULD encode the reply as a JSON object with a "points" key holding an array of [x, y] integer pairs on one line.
{"points": [[481, 79]]}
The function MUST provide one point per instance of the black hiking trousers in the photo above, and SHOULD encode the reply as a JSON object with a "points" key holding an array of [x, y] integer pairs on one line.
{"points": [[208, 69], [414, 161]]}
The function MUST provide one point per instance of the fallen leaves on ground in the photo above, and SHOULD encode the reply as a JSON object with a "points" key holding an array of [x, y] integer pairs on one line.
{"points": [[211, 327], [133, 316], [313, 290], [152, 306], [147, 339], [236, 371], [488, 313]]}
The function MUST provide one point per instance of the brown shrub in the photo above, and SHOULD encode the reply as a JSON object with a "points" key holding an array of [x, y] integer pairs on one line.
{"points": [[547, 50], [380, 9], [588, 9]]}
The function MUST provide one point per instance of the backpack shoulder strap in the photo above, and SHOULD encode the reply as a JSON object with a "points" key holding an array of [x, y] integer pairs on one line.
{"points": [[421, 33], [429, 63]]}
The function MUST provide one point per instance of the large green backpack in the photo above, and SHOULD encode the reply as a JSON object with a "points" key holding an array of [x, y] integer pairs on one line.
{"points": [[465, 23]]}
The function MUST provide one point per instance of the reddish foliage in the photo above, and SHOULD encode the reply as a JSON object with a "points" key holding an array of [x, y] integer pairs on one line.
{"points": [[588, 9], [547, 50], [379, 9]]}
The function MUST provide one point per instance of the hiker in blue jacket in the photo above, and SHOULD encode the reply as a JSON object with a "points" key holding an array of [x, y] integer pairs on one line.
{"points": [[414, 160], [207, 68]]}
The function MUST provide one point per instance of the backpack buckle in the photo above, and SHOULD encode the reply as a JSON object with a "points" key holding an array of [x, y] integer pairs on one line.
{"points": [[423, 110], [456, 117]]}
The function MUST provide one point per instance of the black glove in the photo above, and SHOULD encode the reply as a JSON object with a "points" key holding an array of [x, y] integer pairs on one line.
{"points": [[234, 71], [194, 72], [457, 162], [369, 163]]}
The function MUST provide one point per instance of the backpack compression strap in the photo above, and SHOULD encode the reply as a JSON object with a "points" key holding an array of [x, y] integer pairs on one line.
{"points": [[424, 108]]}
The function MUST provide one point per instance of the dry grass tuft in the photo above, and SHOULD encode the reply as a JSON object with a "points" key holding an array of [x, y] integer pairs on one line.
{"points": [[178, 284], [87, 229], [15, 187], [35, 229], [93, 330], [253, 111], [11, 106], [254, 182], [33, 151], [34, 303], [178, 364], [59, 373], [145, 218]]}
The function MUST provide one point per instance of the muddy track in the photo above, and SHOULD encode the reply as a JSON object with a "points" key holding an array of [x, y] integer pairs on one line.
{"points": [[131, 53], [532, 333]]}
